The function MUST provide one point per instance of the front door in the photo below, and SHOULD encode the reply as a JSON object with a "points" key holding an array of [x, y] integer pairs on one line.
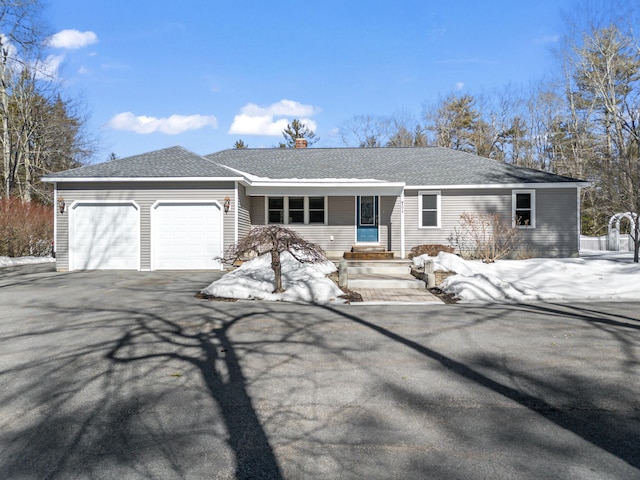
{"points": [[367, 219]]}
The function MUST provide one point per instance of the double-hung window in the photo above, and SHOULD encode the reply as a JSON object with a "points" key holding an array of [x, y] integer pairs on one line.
{"points": [[296, 210], [275, 210], [429, 209], [316, 210], [523, 204]]}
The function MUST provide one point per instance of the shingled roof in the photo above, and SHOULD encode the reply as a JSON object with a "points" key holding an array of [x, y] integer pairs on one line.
{"points": [[173, 162], [417, 166], [413, 165]]}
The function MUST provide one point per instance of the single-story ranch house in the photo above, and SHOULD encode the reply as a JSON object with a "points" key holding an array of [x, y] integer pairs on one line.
{"points": [[174, 209]]}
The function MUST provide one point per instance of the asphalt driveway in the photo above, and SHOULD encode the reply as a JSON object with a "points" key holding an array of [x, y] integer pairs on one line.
{"points": [[127, 375]]}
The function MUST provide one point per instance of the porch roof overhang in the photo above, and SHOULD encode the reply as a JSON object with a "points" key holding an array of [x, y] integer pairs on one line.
{"points": [[334, 187]]}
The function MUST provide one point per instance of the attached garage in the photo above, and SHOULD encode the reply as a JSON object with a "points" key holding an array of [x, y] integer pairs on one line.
{"points": [[104, 236], [165, 210], [186, 235]]}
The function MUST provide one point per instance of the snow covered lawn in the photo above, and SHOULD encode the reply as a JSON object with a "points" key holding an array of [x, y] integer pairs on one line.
{"points": [[303, 282], [593, 276], [14, 262]]}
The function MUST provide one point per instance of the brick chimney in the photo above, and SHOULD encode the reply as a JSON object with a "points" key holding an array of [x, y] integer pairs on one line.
{"points": [[301, 143]]}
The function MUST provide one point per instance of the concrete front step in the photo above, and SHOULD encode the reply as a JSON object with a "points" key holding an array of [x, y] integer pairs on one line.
{"points": [[389, 274], [383, 281], [379, 270], [382, 267]]}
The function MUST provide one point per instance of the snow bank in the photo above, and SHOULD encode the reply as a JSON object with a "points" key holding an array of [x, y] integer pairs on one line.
{"points": [[303, 282], [16, 261], [591, 277]]}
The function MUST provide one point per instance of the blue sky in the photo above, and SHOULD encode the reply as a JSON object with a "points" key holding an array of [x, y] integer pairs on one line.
{"points": [[203, 74]]}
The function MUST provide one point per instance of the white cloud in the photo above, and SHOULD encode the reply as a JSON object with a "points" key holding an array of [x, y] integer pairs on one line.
{"points": [[281, 108], [262, 125], [256, 120], [48, 68], [459, 85], [6, 44], [171, 125], [72, 39]]}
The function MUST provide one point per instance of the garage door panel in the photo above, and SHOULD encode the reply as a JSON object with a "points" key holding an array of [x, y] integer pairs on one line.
{"points": [[105, 236], [187, 236]]}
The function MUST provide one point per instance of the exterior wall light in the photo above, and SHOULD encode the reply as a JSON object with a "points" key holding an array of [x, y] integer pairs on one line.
{"points": [[61, 204], [227, 204]]}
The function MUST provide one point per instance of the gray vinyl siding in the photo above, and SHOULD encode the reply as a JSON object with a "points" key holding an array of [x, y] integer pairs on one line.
{"points": [[339, 234], [145, 195], [257, 211], [555, 234], [340, 224], [244, 212]]}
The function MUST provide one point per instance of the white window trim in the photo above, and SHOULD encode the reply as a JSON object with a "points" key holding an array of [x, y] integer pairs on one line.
{"points": [[306, 209], [532, 224], [438, 195]]}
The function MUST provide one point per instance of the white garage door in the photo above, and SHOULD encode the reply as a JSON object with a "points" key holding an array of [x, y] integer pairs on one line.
{"points": [[186, 236], [105, 236]]}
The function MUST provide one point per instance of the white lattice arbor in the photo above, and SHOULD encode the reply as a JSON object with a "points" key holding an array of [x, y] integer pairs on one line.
{"points": [[613, 234]]}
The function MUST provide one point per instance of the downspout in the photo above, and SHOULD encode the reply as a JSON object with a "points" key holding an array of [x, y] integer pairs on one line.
{"points": [[579, 217], [402, 248], [236, 213], [55, 219]]}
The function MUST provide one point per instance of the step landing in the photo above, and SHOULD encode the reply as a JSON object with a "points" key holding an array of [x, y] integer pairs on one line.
{"points": [[381, 275]]}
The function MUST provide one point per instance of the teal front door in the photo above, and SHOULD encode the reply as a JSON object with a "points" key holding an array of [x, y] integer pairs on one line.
{"points": [[367, 219]]}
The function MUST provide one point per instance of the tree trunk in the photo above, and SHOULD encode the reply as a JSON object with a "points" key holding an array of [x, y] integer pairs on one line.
{"points": [[276, 266], [4, 105], [28, 181], [636, 239]]}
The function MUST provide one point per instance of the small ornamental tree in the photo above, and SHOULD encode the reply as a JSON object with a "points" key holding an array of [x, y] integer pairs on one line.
{"points": [[485, 236], [276, 239]]}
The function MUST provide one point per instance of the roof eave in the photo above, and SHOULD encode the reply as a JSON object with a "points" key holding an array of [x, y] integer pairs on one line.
{"points": [[139, 179], [322, 188], [501, 185]]}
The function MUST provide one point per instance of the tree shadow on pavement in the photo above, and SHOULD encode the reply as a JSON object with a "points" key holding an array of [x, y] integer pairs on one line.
{"points": [[218, 390], [87, 415], [579, 412]]}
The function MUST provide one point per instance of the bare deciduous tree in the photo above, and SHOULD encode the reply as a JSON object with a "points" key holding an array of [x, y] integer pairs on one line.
{"points": [[21, 38], [40, 132], [276, 239], [364, 131], [372, 131]]}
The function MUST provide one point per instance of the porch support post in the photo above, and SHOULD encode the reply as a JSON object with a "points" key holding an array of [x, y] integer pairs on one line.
{"points": [[579, 215], [402, 249]]}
